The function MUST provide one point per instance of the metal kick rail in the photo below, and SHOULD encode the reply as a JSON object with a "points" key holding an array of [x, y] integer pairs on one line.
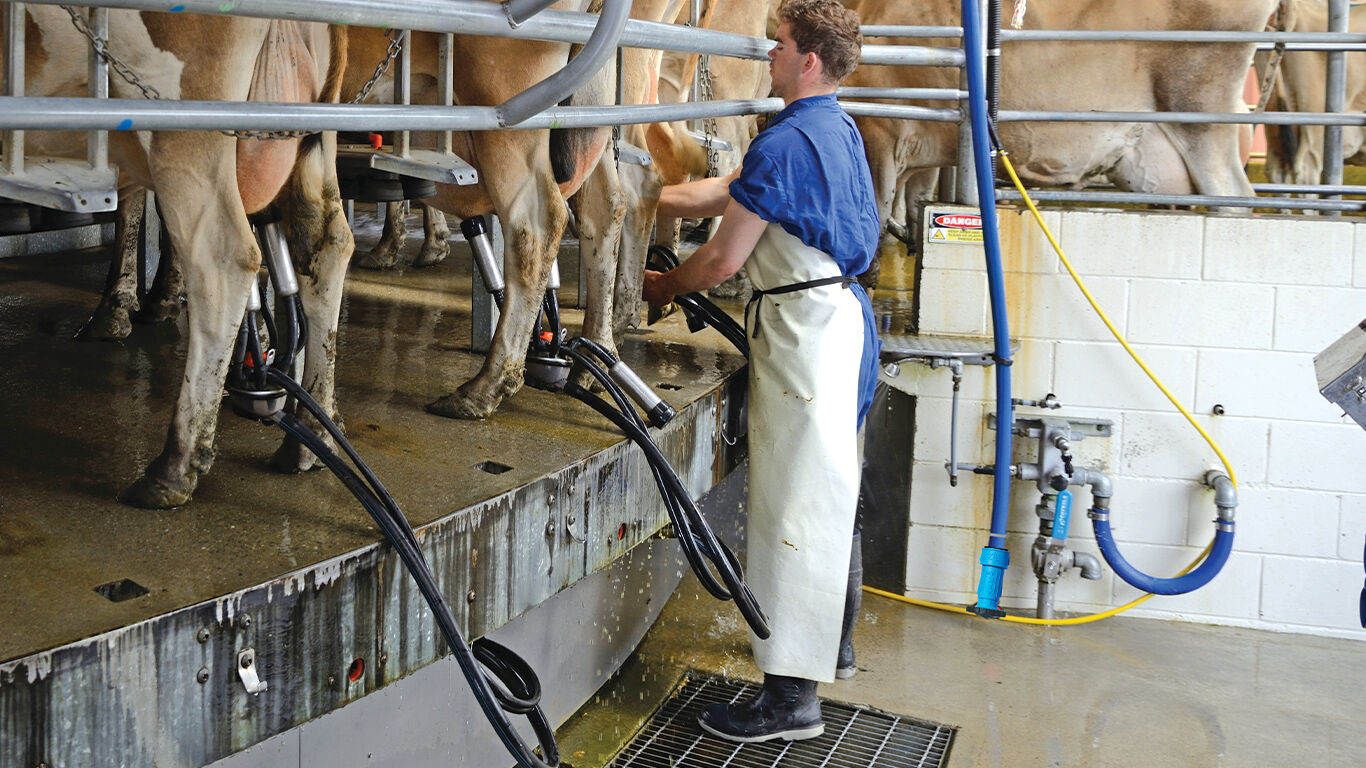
{"points": [[98, 114]]}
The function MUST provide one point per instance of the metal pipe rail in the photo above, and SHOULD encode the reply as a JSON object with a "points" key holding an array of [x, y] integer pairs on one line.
{"points": [[474, 17], [81, 114], [1175, 36], [1212, 201], [1264, 118]]}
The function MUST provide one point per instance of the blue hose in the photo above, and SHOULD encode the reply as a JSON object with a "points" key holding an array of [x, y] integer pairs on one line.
{"points": [[1179, 585], [993, 563]]}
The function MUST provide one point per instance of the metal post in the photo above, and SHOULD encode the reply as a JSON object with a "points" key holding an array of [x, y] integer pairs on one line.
{"points": [[14, 82], [1336, 96], [403, 87], [965, 180], [694, 19], [97, 142], [484, 312], [445, 83]]}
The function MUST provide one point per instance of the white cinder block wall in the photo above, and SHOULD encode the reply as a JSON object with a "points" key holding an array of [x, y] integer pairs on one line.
{"points": [[1227, 311]]}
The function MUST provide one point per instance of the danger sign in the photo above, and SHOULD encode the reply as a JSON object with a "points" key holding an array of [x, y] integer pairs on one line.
{"points": [[964, 228]]}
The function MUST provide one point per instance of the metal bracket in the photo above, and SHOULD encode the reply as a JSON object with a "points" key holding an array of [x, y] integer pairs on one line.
{"points": [[440, 167], [1036, 427], [246, 669]]}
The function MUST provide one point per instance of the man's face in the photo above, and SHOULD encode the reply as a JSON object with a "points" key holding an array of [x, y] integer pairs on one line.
{"points": [[785, 63]]}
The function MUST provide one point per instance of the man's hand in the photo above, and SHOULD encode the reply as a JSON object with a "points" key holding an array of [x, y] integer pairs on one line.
{"points": [[656, 289]]}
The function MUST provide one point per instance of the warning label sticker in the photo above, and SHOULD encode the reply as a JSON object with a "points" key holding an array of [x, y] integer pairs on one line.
{"points": [[964, 228]]}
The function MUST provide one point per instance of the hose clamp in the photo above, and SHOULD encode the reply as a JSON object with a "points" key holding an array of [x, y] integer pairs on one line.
{"points": [[1099, 515]]}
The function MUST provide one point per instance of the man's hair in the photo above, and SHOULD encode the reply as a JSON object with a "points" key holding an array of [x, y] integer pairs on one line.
{"points": [[827, 29]]}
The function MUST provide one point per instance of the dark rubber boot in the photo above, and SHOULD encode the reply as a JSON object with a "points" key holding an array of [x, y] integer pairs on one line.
{"points": [[845, 667], [786, 708]]}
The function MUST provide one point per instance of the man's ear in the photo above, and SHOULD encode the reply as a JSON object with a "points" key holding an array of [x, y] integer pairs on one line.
{"points": [[811, 61]]}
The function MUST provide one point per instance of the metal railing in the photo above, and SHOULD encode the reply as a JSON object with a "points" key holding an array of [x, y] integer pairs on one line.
{"points": [[473, 17]]}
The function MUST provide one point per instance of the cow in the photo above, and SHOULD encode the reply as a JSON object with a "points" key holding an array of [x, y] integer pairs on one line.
{"points": [[1124, 76], [1294, 154], [208, 183], [524, 178]]}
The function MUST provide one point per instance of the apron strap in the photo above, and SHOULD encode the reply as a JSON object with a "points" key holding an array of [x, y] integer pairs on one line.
{"points": [[757, 296]]}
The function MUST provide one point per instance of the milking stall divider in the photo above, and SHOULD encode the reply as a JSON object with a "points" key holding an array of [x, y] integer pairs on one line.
{"points": [[91, 187]]}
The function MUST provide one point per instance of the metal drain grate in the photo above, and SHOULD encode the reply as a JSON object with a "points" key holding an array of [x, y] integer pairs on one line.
{"points": [[855, 737]]}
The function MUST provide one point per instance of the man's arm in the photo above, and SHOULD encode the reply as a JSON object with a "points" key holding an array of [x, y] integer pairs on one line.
{"points": [[721, 257], [696, 199]]}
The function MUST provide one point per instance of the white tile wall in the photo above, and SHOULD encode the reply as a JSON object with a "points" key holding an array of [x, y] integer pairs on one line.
{"points": [[1325, 593], [1352, 528], [1309, 319], [1268, 385], [1183, 313], [1226, 310], [1099, 243], [1277, 521], [1279, 250], [1325, 457], [1103, 375]]}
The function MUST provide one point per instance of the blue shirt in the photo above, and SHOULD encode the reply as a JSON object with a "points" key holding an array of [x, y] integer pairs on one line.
{"points": [[807, 172]]}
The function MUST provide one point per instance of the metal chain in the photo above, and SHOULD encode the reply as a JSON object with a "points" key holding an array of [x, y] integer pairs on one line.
{"points": [[102, 50], [704, 85], [149, 92], [395, 47]]}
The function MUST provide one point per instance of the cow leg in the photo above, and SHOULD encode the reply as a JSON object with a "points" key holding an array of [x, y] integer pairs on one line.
{"points": [[641, 187], [110, 320], [320, 244], [599, 208], [162, 302], [389, 249], [208, 228], [532, 213], [436, 240]]}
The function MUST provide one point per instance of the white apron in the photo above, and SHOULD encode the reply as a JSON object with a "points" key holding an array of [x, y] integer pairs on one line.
{"points": [[804, 472]]}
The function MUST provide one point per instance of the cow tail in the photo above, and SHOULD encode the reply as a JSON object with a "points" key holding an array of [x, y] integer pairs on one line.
{"points": [[331, 90]]}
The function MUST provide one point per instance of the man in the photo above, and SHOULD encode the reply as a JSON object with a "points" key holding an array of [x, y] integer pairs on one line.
{"points": [[801, 217]]}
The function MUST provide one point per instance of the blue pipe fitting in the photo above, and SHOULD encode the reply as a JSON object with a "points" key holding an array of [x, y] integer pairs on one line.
{"points": [[1179, 585], [994, 562]]}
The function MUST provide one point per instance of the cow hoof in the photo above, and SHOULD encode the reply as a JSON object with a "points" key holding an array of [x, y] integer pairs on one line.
{"points": [[379, 257], [458, 406], [159, 312], [154, 493], [111, 325], [432, 254]]}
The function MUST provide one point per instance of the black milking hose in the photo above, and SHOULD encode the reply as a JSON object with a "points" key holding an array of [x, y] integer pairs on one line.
{"points": [[509, 683]]}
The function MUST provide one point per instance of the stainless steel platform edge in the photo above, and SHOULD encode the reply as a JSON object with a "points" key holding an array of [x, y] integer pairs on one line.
{"points": [[169, 691]]}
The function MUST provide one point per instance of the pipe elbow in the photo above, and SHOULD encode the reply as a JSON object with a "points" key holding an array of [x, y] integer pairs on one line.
{"points": [[1100, 483], [1225, 493], [1088, 563]]}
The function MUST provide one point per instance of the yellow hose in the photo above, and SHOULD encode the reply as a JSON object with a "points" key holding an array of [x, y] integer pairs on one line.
{"points": [[1010, 169]]}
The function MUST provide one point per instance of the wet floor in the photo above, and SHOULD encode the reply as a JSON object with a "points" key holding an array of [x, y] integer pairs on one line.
{"points": [[1131, 693], [79, 421]]}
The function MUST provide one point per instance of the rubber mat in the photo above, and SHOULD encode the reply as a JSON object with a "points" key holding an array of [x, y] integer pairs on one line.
{"points": [[855, 737]]}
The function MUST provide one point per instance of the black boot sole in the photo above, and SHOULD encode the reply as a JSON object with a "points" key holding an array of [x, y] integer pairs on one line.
{"points": [[790, 734]]}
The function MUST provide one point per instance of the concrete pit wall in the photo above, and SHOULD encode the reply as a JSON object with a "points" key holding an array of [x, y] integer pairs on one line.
{"points": [[1227, 311]]}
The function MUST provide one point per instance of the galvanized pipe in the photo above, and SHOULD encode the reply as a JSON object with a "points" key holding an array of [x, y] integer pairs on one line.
{"points": [[1309, 189], [84, 114], [14, 19], [1175, 36], [97, 142], [1335, 100], [559, 86], [894, 30], [1215, 201], [403, 88], [1264, 118], [864, 92], [445, 84]]}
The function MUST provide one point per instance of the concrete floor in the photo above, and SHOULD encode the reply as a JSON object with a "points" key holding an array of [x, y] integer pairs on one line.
{"points": [[1118, 692]]}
